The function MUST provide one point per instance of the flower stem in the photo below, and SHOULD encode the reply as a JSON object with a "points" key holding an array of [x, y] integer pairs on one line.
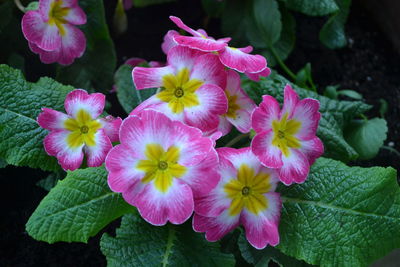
{"points": [[19, 5], [282, 65], [236, 139]]}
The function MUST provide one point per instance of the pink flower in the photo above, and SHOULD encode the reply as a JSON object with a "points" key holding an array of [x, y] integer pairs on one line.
{"points": [[191, 88], [51, 31], [240, 106], [238, 59], [160, 166], [79, 131], [244, 195], [286, 139], [169, 41]]}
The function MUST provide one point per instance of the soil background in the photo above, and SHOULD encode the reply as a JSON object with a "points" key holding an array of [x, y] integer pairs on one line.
{"points": [[369, 65]]}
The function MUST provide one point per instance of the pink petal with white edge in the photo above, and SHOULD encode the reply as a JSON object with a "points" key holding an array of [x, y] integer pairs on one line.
{"points": [[111, 127], [262, 117], [97, 154], [213, 102], [290, 101], [200, 43], [175, 205], [313, 149], [269, 155], [256, 76], [44, 8], [51, 119], [262, 229], [207, 68], [149, 77], [37, 31], [295, 168], [183, 26], [80, 99], [215, 227], [224, 125], [180, 57], [169, 41], [134, 61], [47, 57], [73, 45], [306, 111], [75, 16], [55, 144], [242, 62], [203, 177]]}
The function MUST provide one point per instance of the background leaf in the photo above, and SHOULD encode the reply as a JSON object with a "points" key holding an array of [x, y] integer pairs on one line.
{"points": [[335, 114], [268, 20], [144, 3], [341, 216], [127, 94], [138, 243], [77, 208], [21, 138], [312, 7], [366, 136], [95, 69]]}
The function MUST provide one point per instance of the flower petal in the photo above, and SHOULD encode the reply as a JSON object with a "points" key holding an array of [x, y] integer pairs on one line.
{"points": [[313, 149], [242, 62], [169, 41], [200, 43], [180, 57], [51, 119], [80, 100], [295, 167], [96, 154], [208, 69], [256, 76], [262, 117], [75, 14], [111, 127], [183, 26], [306, 111], [269, 155], [149, 77], [290, 101], [215, 227], [73, 45]]}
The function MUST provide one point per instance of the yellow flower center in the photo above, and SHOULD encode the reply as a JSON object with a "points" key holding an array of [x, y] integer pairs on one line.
{"points": [[179, 91], [247, 191], [83, 129], [57, 15], [161, 166], [233, 107], [284, 134]]}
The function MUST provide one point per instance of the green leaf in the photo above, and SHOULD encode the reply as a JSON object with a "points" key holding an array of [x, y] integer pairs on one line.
{"points": [[332, 34], [51, 180], [312, 7], [262, 257], [351, 93], [3, 163], [138, 243], [21, 138], [234, 21], [95, 69], [77, 208], [341, 216], [268, 20], [335, 114], [127, 94], [366, 136], [144, 3]]}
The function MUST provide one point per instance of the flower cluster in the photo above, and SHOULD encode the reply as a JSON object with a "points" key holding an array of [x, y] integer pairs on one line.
{"points": [[52, 33], [167, 165]]}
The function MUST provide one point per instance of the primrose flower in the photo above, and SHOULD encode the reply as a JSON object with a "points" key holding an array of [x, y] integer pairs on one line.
{"points": [[79, 131], [244, 195], [169, 41], [240, 106], [238, 59], [51, 31], [160, 166], [286, 139], [191, 88]]}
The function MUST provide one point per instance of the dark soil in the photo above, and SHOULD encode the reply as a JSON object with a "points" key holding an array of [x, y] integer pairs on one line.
{"points": [[368, 65]]}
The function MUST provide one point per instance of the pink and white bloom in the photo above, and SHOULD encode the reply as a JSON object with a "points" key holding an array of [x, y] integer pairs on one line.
{"points": [[238, 59], [169, 41], [191, 88], [160, 166], [240, 106], [79, 131], [286, 139], [52, 33], [244, 196]]}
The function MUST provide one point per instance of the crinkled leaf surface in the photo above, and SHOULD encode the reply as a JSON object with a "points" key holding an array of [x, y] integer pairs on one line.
{"points": [[341, 216], [77, 208], [138, 243], [127, 94], [95, 69], [21, 138], [366, 136], [313, 7], [335, 114]]}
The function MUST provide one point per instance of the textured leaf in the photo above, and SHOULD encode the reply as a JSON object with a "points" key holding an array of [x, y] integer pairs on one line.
{"points": [[21, 138], [127, 94], [77, 208], [312, 7], [341, 216], [262, 257], [96, 67], [335, 114], [366, 136], [268, 20], [234, 21], [138, 243], [332, 34], [51, 180]]}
